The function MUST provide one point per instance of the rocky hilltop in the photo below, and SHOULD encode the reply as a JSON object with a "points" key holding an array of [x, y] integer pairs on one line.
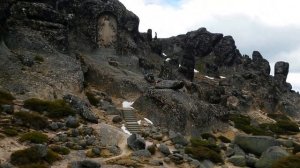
{"points": [[70, 71]]}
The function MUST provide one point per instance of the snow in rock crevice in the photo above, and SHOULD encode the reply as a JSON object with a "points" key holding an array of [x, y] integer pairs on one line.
{"points": [[124, 129], [127, 105], [148, 121]]}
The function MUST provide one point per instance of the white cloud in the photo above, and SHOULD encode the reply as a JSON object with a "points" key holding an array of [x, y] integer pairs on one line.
{"points": [[294, 78], [269, 26]]}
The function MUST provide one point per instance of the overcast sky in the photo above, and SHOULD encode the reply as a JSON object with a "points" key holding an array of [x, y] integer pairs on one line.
{"points": [[269, 26]]}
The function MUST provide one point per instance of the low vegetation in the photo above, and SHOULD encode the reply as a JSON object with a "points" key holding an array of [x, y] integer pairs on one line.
{"points": [[10, 132], [60, 149], [288, 162], [202, 153], [34, 137], [32, 119], [29, 156], [53, 109], [202, 149], [208, 135], [39, 59], [243, 123], [6, 98]]}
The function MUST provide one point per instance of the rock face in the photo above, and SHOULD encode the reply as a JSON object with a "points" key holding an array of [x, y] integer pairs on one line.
{"points": [[281, 71], [174, 110], [255, 144], [82, 108], [271, 155], [135, 142]]}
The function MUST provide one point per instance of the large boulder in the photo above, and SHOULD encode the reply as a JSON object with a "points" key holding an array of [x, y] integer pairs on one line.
{"points": [[281, 71], [271, 155], [255, 144], [178, 111], [82, 108], [135, 142]]}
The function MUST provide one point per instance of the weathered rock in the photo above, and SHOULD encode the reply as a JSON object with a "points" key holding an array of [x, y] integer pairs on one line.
{"points": [[142, 153], [251, 160], [169, 84], [281, 72], [238, 160], [260, 64], [173, 110], [85, 164], [82, 108], [135, 142], [255, 144], [156, 162], [178, 138], [40, 150], [270, 156], [117, 119], [164, 149], [149, 77], [226, 52], [9, 109], [53, 126], [72, 122]]}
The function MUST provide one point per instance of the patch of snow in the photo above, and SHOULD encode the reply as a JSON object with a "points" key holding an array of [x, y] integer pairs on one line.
{"points": [[127, 105], [222, 77], [164, 54], [139, 122], [168, 59], [179, 65], [195, 71], [125, 129], [208, 77], [148, 121]]}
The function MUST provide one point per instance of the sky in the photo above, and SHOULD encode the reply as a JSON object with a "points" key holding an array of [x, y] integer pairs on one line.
{"points": [[271, 27]]}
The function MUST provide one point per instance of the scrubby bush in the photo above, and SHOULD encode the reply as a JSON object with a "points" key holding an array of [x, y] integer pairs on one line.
{"points": [[52, 157], [242, 122], [10, 132], [92, 99], [54, 109], [224, 139], [29, 156], [196, 142], [287, 162], [32, 119], [35, 165], [203, 153], [6, 98], [60, 149], [34, 137]]}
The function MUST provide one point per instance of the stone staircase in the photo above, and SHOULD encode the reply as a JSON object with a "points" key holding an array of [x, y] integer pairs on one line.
{"points": [[131, 121]]}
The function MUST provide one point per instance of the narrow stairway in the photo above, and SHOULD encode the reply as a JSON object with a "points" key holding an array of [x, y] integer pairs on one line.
{"points": [[131, 121]]}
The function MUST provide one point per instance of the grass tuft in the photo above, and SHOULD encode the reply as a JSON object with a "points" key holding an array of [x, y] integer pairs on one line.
{"points": [[287, 162], [32, 119], [34, 137], [53, 109]]}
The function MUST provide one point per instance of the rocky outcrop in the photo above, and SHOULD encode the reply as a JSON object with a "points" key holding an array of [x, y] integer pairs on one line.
{"points": [[81, 108], [175, 109], [255, 144]]}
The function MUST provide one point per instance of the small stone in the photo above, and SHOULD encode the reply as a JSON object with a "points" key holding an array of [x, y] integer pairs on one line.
{"points": [[96, 151], [9, 109], [141, 153], [238, 160], [117, 119], [53, 126], [164, 149], [156, 163], [72, 122]]}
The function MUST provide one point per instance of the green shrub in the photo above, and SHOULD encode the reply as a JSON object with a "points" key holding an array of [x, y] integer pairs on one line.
{"points": [[52, 157], [26, 156], [54, 109], [39, 58], [242, 122], [277, 116], [60, 149], [32, 119], [224, 139], [10, 132], [6, 98], [288, 125], [92, 99], [35, 165], [34, 137], [288, 162], [30, 155], [202, 153], [196, 142]]}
